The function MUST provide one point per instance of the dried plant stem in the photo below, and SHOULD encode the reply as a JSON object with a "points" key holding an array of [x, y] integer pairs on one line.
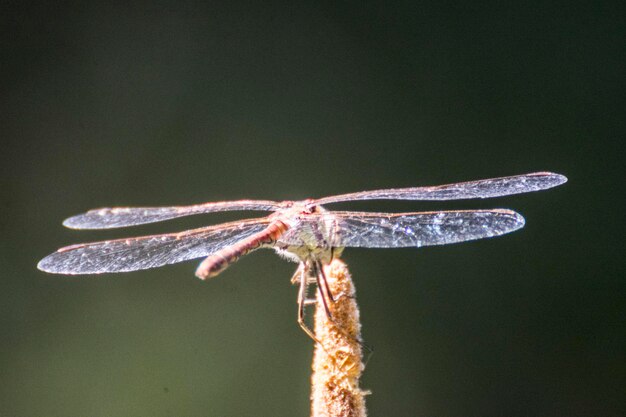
{"points": [[337, 361]]}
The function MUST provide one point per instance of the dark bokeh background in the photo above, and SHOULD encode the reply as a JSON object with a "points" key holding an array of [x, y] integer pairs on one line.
{"points": [[178, 103]]}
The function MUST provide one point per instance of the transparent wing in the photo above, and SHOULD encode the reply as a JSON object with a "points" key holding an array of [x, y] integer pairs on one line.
{"points": [[108, 218], [122, 255], [494, 187], [396, 230]]}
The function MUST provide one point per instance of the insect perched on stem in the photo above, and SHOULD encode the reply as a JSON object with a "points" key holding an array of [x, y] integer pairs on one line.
{"points": [[302, 231]]}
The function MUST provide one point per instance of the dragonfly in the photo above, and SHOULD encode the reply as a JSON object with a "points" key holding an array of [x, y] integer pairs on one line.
{"points": [[301, 231]]}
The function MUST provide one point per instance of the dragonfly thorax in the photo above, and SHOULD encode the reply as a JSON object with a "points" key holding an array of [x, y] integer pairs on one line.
{"points": [[304, 254], [309, 235]]}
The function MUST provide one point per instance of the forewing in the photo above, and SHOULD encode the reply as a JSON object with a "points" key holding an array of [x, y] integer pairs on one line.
{"points": [[145, 252], [108, 218], [396, 230], [494, 187]]}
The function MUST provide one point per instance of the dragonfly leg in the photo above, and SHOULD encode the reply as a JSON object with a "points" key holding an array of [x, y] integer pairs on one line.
{"points": [[322, 288], [305, 279], [298, 274], [302, 302], [322, 275]]}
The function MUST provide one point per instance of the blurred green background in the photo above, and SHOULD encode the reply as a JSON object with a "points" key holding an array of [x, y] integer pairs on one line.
{"points": [[175, 103]]}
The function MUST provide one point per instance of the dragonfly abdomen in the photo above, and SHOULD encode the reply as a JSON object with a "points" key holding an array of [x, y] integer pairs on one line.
{"points": [[216, 263]]}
